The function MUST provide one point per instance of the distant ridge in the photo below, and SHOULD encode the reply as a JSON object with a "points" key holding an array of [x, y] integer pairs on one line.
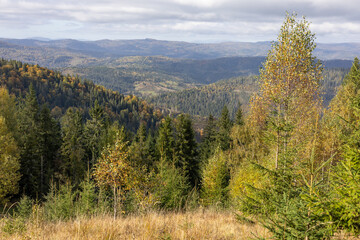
{"points": [[177, 49]]}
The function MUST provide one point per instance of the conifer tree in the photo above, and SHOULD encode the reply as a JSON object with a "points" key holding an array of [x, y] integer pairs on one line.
{"points": [[186, 149], [150, 150], [344, 198], [225, 125], [172, 186], [49, 145], [29, 144], [208, 144], [165, 142], [73, 146], [138, 149], [239, 118], [95, 129], [343, 117]]}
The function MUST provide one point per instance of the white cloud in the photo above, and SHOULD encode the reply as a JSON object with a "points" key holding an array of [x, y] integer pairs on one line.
{"points": [[190, 20]]}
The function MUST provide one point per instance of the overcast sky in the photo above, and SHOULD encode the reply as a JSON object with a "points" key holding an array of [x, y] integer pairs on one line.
{"points": [[184, 20]]}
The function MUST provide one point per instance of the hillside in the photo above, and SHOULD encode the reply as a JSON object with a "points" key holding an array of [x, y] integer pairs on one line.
{"points": [[60, 92], [146, 76], [210, 99]]}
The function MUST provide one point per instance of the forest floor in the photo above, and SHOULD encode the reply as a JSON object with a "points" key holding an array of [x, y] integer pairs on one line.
{"points": [[182, 225]]}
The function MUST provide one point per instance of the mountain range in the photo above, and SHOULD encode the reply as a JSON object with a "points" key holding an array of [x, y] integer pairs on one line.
{"points": [[173, 49]]}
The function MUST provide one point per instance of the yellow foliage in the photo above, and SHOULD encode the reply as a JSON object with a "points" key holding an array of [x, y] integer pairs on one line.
{"points": [[288, 106], [9, 163], [245, 176]]}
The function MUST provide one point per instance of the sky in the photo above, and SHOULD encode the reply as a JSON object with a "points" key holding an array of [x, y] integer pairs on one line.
{"points": [[208, 21]]}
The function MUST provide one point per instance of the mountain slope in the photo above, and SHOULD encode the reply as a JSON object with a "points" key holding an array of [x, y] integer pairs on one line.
{"points": [[60, 92], [210, 99]]}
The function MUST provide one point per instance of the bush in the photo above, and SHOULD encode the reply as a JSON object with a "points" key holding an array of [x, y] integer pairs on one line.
{"points": [[173, 188], [59, 203]]}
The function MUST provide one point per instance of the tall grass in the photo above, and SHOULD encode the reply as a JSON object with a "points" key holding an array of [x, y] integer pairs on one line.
{"points": [[198, 224]]}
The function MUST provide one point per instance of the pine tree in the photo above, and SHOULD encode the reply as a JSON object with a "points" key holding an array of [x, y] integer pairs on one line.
{"points": [[49, 146], [95, 128], [186, 149], [239, 118], [73, 146], [344, 201], [208, 144], [172, 186], [225, 125], [29, 144], [138, 154], [150, 150], [165, 142], [343, 117], [345, 189]]}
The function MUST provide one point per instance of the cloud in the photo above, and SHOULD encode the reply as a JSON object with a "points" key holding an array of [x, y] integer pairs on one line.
{"points": [[217, 20]]}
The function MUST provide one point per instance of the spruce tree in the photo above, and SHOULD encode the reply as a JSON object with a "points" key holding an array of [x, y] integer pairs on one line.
{"points": [[165, 142], [138, 154], [73, 146], [95, 129], [208, 144], [49, 146], [343, 118], [186, 149], [225, 125], [29, 144], [239, 118], [344, 199]]}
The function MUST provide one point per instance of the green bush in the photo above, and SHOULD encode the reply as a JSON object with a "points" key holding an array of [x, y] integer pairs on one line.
{"points": [[59, 203]]}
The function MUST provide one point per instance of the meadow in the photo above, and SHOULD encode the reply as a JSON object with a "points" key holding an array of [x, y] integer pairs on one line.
{"points": [[199, 224]]}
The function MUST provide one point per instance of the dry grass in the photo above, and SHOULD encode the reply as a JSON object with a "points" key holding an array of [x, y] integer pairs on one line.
{"points": [[190, 225]]}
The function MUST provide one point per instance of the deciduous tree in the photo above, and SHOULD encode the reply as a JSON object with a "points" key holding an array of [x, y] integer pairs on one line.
{"points": [[9, 163], [113, 169]]}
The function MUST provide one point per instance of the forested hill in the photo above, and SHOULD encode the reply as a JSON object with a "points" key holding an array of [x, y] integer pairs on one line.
{"points": [[60, 92], [150, 76], [210, 99]]}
